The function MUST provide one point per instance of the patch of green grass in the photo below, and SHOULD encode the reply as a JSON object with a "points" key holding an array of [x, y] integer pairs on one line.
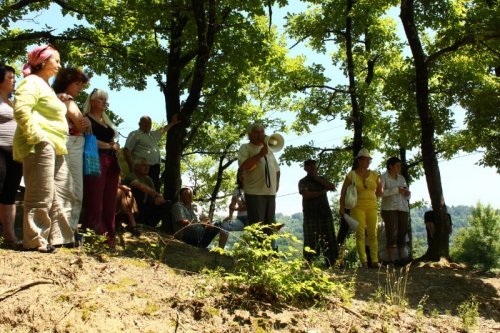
{"points": [[150, 309], [469, 313]]}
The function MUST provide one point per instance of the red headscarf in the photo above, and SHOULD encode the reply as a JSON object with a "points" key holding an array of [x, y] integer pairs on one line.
{"points": [[36, 56]]}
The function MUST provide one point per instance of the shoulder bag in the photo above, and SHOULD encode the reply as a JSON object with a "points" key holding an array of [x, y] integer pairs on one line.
{"points": [[91, 163], [351, 194]]}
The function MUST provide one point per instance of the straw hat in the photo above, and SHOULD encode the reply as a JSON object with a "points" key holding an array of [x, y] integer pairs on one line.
{"points": [[363, 152]]}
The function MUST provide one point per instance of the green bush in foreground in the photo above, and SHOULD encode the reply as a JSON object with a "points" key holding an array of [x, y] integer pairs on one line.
{"points": [[279, 276], [478, 245]]}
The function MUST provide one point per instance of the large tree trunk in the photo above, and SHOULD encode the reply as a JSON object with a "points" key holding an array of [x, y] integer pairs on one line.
{"points": [[171, 91], [356, 113], [439, 247], [206, 29]]}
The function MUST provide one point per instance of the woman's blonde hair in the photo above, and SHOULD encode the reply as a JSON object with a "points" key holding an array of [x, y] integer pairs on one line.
{"points": [[98, 93]]}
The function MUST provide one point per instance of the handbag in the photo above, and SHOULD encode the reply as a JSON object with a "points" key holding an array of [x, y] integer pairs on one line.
{"points": [[91, 163], [351, 194]]}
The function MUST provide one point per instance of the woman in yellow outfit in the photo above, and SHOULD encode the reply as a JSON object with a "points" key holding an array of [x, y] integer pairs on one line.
{"points": [[369, 187]]}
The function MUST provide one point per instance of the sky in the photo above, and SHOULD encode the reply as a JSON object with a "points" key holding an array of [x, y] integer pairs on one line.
{"points": [[463, 181]]}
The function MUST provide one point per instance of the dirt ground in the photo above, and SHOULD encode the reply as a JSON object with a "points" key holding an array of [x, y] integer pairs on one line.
{"points": [[74, 290]]}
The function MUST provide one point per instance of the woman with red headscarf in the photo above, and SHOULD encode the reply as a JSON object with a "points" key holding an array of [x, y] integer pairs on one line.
{"points": [[40, 143]]}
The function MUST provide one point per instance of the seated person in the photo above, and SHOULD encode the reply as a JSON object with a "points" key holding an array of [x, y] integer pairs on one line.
{"points": [[192, 226], [239, 205], [126, 208], [430, 227], [153, 208]]}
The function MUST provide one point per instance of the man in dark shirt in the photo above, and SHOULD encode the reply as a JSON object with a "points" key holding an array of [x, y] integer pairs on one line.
{"points": [[151, 204], [319, 233]]}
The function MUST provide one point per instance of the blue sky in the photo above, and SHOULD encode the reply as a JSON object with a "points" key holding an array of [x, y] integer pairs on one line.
{"points": [[463, 181]]}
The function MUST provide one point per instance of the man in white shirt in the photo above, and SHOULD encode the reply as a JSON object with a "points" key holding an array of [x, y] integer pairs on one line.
{"points": [[261, 175], [144, 144]]}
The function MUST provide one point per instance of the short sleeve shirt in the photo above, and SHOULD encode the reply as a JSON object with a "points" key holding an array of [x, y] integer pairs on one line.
{"points": [[145, 145], [255, 179], [146, 180], [317, 207], [7, 124], [181, 212]]}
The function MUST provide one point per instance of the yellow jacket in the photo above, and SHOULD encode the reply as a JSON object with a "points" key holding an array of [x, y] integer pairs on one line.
{"points": [[40, 116]]}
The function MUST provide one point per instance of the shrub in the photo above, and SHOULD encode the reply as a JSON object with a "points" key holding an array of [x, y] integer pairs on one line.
{"points": [[478, 245], [280, 276]]}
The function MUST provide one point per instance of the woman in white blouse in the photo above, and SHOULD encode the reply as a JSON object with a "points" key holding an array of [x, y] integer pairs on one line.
{"points": [[395, 208]]}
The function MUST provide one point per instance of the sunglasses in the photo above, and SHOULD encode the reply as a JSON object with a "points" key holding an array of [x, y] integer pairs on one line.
{"points": [[92, 94]]}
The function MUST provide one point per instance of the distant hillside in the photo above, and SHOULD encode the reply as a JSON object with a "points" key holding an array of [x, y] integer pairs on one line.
{"points": [[459, 216]]}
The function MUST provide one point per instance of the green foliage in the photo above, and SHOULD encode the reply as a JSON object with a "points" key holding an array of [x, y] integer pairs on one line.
{"points": [[278, 276], [478, 245], [93, 243], [469, 313]]}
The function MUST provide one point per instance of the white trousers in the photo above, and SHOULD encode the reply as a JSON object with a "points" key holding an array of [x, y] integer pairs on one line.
{"points": [[74, 196]]}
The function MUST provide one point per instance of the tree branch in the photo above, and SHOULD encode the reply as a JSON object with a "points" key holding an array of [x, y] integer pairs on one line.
{"points": [[11, 291]]}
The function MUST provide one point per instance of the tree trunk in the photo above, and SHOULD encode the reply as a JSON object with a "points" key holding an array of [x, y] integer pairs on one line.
{"points": [[171, 91], [356, 113], [205, 24], [439, 247]]}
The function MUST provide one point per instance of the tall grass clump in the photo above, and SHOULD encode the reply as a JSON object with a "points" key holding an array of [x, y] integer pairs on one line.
{"points": [[469, 313]]}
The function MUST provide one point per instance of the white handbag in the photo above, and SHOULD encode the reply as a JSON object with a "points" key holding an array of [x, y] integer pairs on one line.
{"points": [[351, 194]]}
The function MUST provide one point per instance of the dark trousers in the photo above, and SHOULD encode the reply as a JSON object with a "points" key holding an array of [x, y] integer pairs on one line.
{"points": [[154, 173], [151, 214], [11, 173], [99, 201]]}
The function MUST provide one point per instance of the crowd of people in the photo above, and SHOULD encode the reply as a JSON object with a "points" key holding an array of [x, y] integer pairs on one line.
{"points": [[42, 138]]}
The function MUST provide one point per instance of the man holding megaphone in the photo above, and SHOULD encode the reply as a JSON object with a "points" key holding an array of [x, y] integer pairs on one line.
{"points": [[261, 174]]}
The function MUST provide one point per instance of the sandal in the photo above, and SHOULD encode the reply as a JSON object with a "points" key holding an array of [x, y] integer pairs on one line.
{"points": [[46, 249]]}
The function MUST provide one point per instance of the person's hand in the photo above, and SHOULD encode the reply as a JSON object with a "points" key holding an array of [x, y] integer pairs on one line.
{"points": [[63, 97], [125, 189], [159, 199], [84, 124], [207, 223], [183, 223], [265, 149], [114, 146], [404, 191]]}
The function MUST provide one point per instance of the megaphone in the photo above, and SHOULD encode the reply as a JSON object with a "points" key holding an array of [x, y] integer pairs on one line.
{"points": [[275, 142]]}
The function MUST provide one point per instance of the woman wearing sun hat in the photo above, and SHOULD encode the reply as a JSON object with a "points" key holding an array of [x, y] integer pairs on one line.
{"points": [[369, 187]]}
